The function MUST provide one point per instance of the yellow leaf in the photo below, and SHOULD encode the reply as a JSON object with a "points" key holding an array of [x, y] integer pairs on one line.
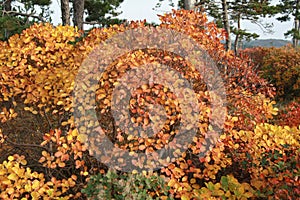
{"points": [[47, 87], [171, 182], [35, 184], [10, 190], [26, 108], [2, 172], [130, 137], [64, 95], [82, 138], [74, 133], [23, 162], [257, 184], [27, 40], [265, 137], [64, 123], [101, 96], [241, 189], [13, 177], [185, 197], [27, 188], [45, 153], [85, 173], [6, 182], [35, 195], [61, 164], [34, 112], [248, 195], [223, 137], [234, 119], [10, 158]]}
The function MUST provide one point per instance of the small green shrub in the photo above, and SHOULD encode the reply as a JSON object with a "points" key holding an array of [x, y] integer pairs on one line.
{"points": [[126, 186]]}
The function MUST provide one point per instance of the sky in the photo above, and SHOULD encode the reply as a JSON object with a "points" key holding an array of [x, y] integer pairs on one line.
{"points": [[144, 9]]}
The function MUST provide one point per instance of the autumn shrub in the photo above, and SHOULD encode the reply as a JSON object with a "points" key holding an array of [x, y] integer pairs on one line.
{"points": [[270, 156], [247, 96], [38, 71], [19, 182], [280, 66], [289, 115], [228, 188], [256, 54]]}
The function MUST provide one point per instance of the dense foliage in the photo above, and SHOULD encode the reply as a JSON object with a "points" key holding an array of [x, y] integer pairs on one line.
{"points": [[126, 186], [281, 67], [42, 151]]}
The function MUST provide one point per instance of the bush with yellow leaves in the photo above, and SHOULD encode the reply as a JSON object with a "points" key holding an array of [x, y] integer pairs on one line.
{"points": [[19, 182], [270, 157]]}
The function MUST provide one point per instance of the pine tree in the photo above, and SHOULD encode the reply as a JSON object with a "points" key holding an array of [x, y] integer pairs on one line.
{"points": [[14, 19], [102, 12], [291, 9], [228, 14], [252, 11]]}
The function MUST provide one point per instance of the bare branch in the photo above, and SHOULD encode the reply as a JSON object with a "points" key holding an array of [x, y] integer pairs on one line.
{"points": [[265, 28], [25, 145], [23, 14], [48, 120], [92, 23]]}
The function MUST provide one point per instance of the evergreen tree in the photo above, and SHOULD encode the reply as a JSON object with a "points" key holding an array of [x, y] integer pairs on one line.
{"points": [[16, 17], [102, 12], [228, 14], [250, 10], [291, 9]]}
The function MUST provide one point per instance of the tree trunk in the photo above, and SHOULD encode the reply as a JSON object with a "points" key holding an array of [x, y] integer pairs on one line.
{"points": [[237, 37], [226, 23], [295, 37], [6, 11], [189, 4], [65, 12], [7, 5], [296, 34], [78, 6]]}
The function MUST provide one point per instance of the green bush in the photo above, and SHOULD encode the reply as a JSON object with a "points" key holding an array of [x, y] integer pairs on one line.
{"points": [[126, 186]]}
